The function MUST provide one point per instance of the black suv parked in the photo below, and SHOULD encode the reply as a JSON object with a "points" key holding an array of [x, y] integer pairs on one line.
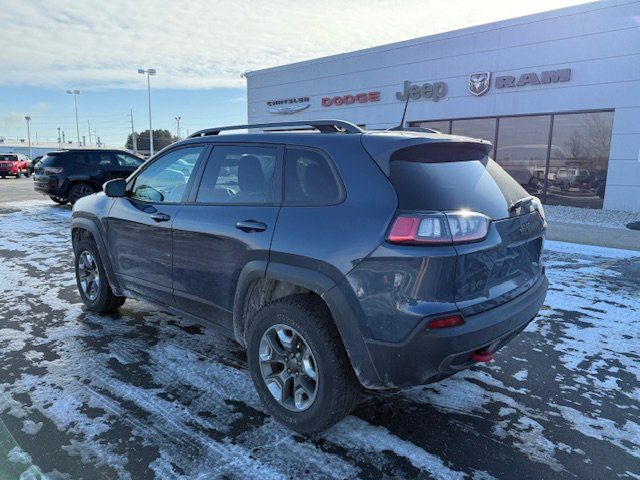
{"points": [[342, 259], [68, 175]]}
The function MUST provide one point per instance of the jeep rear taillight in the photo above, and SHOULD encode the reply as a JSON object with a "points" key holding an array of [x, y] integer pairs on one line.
{"points": [[438, 228], [52, 170]]}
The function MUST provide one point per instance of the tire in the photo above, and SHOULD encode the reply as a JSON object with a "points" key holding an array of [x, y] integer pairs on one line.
{"points": [[101, 299], [18, 173], [336, 390], [78, 191], [27, 173], [58, 200]]}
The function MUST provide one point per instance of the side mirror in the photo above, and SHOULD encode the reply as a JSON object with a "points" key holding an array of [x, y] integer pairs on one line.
{"points": [[115, 188]]}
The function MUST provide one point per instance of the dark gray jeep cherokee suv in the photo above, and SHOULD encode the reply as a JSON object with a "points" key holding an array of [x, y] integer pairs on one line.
{"points": [[341, 259]]}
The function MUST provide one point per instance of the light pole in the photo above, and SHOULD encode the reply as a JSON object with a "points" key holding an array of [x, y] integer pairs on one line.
{"points": [[28, 119], [75, 94], [149, 72], [178, 127]]}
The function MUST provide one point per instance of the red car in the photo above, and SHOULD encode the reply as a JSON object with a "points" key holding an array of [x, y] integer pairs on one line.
{"points": [[14, 164]]}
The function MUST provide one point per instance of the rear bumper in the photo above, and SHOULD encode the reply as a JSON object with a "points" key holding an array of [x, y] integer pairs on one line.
{"points": [[430, 355], [49, 186]]}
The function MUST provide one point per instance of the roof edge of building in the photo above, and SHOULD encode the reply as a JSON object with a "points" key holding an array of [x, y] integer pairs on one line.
{"points": [[571, 10]]}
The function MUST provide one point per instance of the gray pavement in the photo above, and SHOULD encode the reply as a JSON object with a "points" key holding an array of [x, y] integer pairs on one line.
{"points": [[18, 189], [594, 235]]}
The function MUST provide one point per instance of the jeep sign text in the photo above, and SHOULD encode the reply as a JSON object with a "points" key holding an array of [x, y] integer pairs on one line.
{"points": [[435, 91], [551, 76]]}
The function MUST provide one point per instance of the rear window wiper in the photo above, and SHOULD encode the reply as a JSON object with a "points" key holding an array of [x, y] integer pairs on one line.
{"points": [[519, 203]]}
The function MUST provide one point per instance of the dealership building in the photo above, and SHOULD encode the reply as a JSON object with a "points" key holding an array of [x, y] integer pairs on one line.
{"points": [[557, 93]]}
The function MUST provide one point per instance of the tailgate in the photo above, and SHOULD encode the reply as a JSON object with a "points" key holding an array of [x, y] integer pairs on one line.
{"points": [[505, 265]]}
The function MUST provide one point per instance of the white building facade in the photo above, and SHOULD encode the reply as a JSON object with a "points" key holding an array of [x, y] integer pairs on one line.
{"points": [[557, 93]]}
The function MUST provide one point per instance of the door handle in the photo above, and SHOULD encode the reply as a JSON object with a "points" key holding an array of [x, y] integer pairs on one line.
{"points": [[251, 226], [160, 217]]}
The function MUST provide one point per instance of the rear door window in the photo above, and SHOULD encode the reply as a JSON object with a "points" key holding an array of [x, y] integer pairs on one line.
{"points": [[105, 161], [239, 174], [309, 179], [446, 177]]}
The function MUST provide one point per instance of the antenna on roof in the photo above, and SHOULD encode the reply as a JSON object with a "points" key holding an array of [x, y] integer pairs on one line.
{"points": [[404, 113]]}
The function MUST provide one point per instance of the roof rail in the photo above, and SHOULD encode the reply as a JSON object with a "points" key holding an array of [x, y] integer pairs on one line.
{"points": [[324, 126]]}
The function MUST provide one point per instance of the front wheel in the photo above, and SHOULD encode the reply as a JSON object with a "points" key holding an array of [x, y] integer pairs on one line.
{"points": [[91, 279], [18, 173], [299, 365], [27, 173]]}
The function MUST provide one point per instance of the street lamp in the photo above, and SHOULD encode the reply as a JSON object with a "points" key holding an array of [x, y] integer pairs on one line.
{"points": [[178, 127], [149, 72], [28, 119], [75, 94]]}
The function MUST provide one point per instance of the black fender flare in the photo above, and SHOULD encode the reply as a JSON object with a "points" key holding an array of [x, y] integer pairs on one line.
{"points": [[92, 227], [337, 297]]}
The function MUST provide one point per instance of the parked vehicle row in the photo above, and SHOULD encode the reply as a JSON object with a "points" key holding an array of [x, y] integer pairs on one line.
{"points": [[14, 164], [68, 175], [342, 261]]}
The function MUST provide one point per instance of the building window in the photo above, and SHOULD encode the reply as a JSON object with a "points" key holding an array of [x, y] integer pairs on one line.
{"points": [[484, 128], [571, 170], [522, 149], [579, 158]]}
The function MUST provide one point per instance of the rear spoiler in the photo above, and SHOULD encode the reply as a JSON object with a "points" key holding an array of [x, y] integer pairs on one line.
{"points": [[382, 146]]}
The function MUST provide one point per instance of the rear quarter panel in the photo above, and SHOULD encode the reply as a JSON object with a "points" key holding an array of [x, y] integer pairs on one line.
{"points": [[334, 239]]}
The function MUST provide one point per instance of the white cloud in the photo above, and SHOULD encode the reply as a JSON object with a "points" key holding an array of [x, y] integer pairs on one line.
{"points": [[204, 44]]}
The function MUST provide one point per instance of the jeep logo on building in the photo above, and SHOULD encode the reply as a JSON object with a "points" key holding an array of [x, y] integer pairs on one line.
{"points": [[434, 91], [532, 78]]}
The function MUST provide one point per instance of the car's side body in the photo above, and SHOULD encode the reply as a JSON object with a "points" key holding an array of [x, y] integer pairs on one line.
{"points": [[381, 296]]}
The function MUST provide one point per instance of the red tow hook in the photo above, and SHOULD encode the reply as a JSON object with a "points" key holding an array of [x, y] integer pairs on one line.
{"points": [[483, 356]]}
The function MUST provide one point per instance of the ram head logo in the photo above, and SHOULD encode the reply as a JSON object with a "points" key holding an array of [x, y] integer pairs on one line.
{"points": [[479, 83]]}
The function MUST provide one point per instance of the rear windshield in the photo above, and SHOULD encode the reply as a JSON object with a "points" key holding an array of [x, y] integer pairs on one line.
{"points": [[49, 160], [446, 177], [8, 158]]}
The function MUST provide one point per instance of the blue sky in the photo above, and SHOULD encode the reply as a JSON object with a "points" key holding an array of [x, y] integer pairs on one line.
{"points": [[200, 49], [108, 111]]}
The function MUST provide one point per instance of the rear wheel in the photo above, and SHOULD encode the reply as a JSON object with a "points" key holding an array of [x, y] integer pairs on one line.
{"points": [[78, 191], [299, 366], [91, 279]]}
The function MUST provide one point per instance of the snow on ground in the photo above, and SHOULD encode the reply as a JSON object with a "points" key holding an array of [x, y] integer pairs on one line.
{"points": [[144, 394], [590, 216]]}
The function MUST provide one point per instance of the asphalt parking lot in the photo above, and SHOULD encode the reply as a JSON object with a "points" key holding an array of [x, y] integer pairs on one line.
{"points": [[144, 394]]}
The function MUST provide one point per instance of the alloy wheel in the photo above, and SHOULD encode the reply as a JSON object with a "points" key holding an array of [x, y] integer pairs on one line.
{"points": [[288, 367], [89, 275], [81, 191]]}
